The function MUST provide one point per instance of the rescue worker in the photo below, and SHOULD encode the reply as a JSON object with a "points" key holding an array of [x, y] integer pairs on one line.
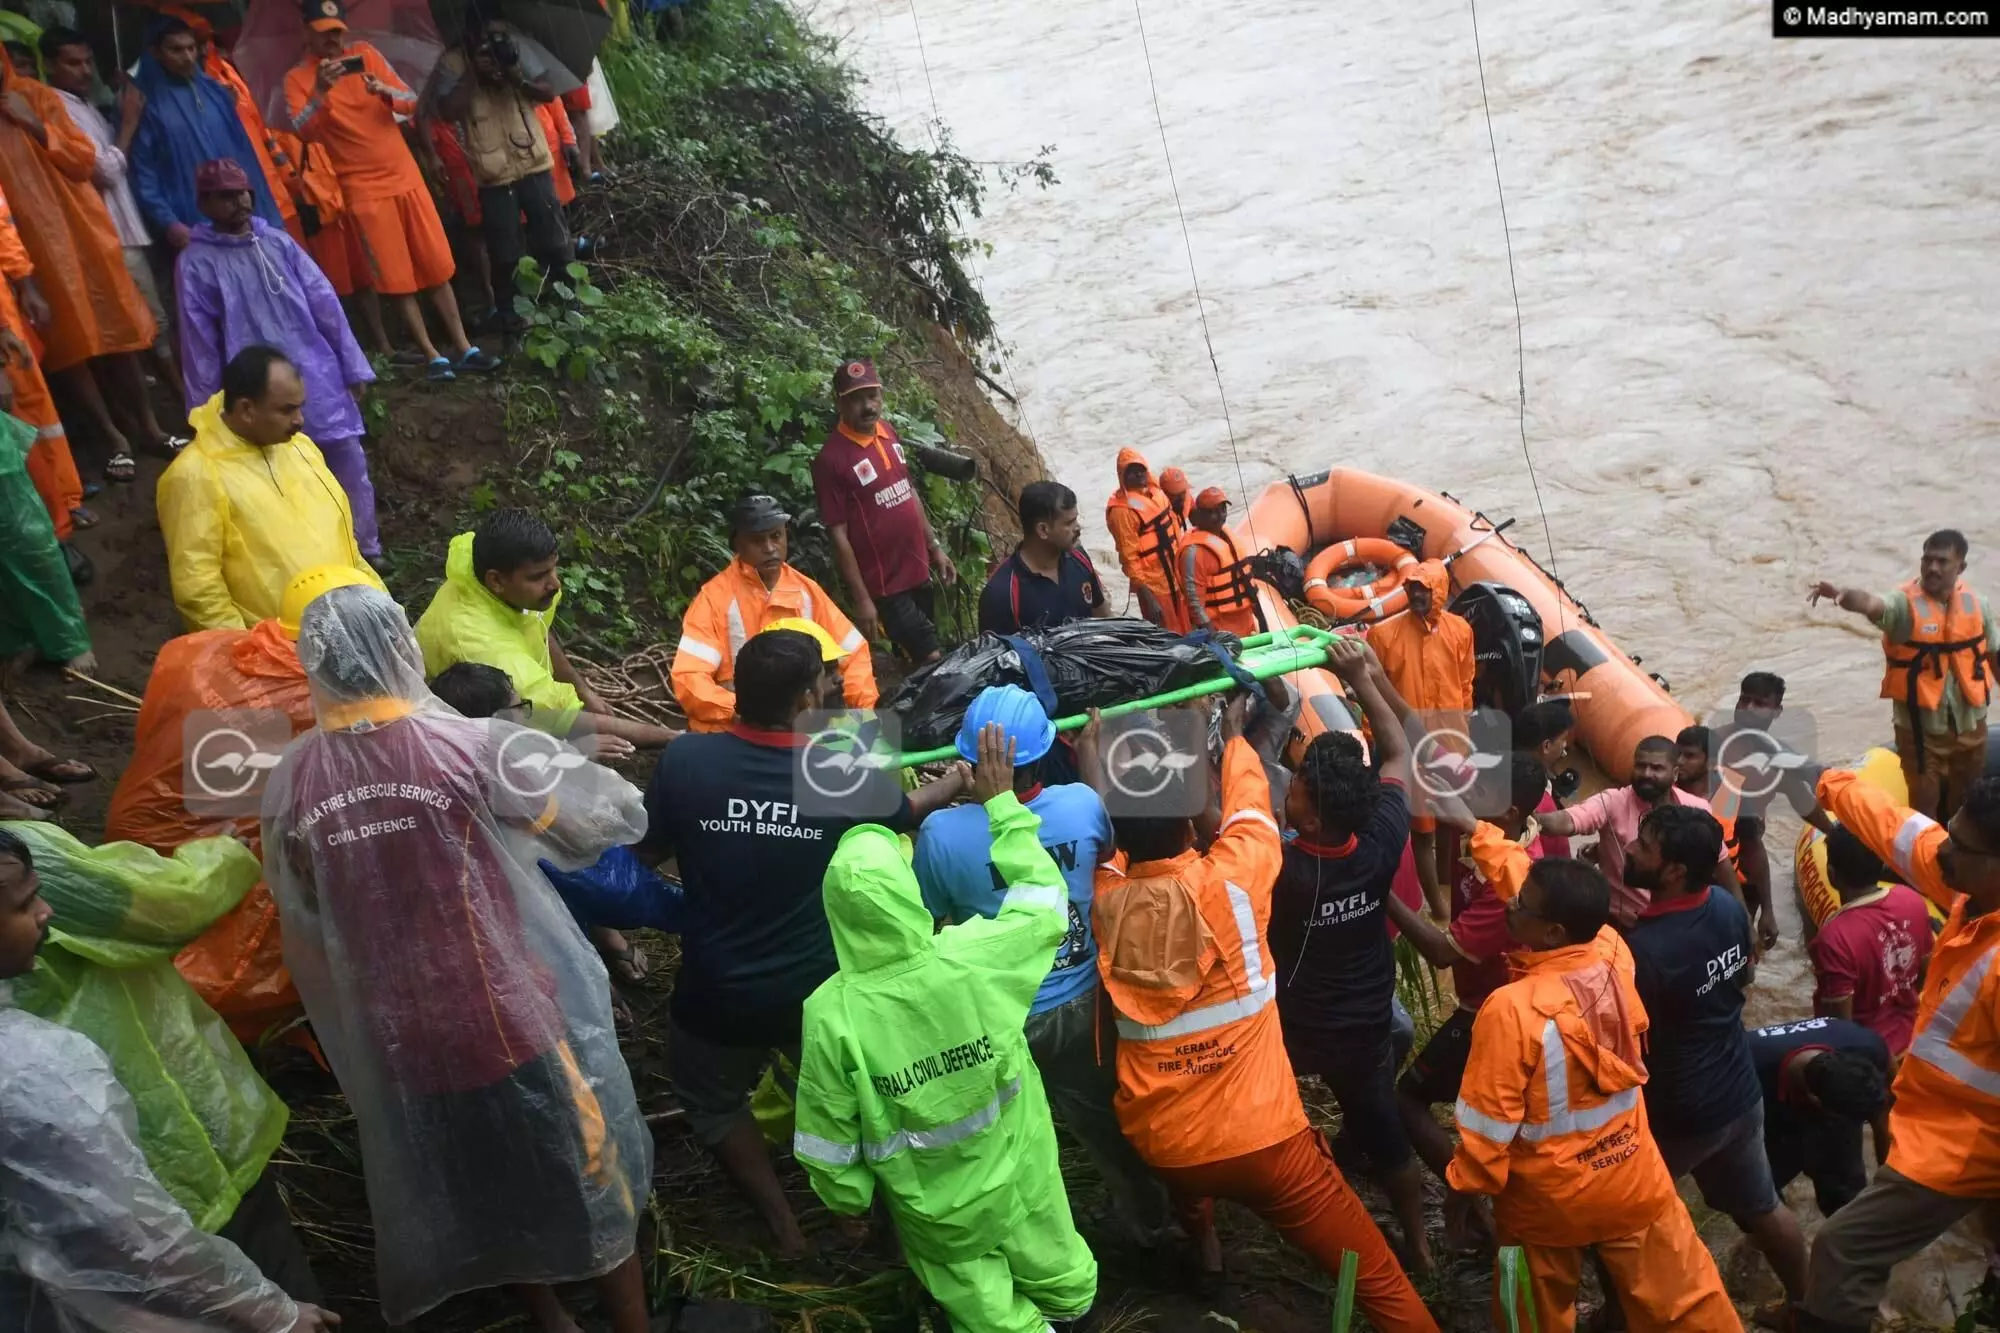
{"points": [[250, 504], [1427, 654], [1552, 1126], [49, 463], [497, 605], [758, 589], [1175, 486], [1205, 1091], [238, 964], [1147, 535], [1215, 577], [107, 1246], [1938, 646], [1944, 1128], [915, 1075], [467, 1020], [961, 880]]}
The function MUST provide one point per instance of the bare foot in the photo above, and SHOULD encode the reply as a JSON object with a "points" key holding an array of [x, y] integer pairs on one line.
{"points": [[10, 808]]}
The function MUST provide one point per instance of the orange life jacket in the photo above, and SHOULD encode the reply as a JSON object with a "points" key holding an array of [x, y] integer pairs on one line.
{"points": [[1226, 590], [1948, 635], [1202, 1069], [1158, 538]]}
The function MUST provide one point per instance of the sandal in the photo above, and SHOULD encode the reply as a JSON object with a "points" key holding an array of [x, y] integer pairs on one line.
{"points": [[441, 371], [51, 768], [92, 489], [167, 446], [82, 518], [30, 792], [408, 356], [122, 468], [476, 361]]}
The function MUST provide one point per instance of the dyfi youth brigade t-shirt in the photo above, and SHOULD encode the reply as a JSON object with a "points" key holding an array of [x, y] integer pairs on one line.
{"points": [[954, 865], [1691, 961], [754, 939], [1330, 938]]}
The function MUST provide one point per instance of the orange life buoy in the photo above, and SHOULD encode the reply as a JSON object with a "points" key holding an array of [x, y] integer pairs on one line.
{"points": [[1372, 601]]}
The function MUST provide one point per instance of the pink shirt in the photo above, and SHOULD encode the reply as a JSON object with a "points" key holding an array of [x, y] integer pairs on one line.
{"points": [[1614, 816], [1873, 950]]}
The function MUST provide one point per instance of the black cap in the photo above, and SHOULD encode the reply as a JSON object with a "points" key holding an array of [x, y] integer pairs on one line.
{"points": [[757, 513]]}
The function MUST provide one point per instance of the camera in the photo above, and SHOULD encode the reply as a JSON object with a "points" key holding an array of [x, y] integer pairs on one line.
{"points": [[501, 47]]}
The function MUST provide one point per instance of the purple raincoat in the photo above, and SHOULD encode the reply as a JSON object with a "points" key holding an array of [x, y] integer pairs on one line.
{"points": [[236, 291]]}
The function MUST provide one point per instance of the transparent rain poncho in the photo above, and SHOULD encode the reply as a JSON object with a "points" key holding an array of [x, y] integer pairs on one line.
{"points": [[84, 1219], [467, 1018]]}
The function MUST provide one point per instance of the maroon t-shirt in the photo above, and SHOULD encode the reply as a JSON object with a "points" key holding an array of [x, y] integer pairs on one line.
{"points": [[395, 844], [868, 487], [1874, 950], [1479, 928]]}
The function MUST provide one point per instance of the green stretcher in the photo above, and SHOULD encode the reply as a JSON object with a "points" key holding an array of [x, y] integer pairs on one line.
{"points": [[1273, 653]]}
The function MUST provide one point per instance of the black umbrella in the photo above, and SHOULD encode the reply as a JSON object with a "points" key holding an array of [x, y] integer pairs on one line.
{"points": [[571, 30]]}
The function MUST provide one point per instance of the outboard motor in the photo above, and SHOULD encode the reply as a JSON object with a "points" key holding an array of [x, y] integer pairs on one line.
{"points": [[1507, 644], [1284, 569]]}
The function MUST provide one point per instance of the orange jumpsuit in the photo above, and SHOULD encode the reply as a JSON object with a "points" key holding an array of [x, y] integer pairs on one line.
{"points": [[730, 608], [1428, 658], [1205, 1090], [1147, 535], [1552, 1125], [390, 214], [1215, 600], [69, 234], [1944, 1130], [50, 465]]}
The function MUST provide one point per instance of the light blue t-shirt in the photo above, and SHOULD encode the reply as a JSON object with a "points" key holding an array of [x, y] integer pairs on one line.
{"points": [[955, 868]]}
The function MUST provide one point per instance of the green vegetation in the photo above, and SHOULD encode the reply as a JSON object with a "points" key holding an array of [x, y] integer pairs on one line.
{"points": [[759, 229]]}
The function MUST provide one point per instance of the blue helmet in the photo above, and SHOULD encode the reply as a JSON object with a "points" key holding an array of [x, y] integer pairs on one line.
{"points": [[1018, 712]]}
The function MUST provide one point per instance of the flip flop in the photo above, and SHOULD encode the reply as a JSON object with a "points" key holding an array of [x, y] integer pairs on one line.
{"points": [[168, 447], [92, 489], [82, 518], [408, 356], [476, 361], [54, 768], [121, 468], [440, 371]]}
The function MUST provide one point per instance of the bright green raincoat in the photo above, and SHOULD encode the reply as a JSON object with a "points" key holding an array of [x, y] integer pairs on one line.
{"points": [[207, 1122], [915, 1075], [466, 623]]}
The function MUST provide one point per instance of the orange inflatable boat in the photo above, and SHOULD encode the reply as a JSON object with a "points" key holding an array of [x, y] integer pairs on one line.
{"points": [[1361, 532]]}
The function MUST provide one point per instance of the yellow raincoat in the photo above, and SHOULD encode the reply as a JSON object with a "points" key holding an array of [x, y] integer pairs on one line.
{"points": [[241, 521], [467, 623]]}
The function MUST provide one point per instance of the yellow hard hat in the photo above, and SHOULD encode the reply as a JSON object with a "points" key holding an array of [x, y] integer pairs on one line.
{"points": [[829, 651], [308, 587]]}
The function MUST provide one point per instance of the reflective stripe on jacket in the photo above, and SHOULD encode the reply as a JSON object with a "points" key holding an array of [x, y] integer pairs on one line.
{"points": [[1944, 1130], [1202, 1069], [1944, 636], [915, 1074], [1550, 1118], [730, 608]]}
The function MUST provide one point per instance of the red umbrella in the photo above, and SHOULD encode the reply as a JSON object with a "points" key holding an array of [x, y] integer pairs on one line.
{"points": [[274, 40]]}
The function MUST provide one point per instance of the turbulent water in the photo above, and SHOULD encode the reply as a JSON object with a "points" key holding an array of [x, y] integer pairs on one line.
{"points": [[1756, 287]]}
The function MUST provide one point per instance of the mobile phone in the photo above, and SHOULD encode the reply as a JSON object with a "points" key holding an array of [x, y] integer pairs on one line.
{"points": [[352, 64]]}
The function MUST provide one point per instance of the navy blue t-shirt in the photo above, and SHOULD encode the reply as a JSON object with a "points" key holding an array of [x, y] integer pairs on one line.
{"points": [[1329, 937], [1770, 1047], [754, 937], [1691, 958], [1017, 598]]}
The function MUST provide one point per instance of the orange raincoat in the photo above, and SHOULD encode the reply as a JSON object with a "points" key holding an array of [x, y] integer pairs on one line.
{"points": [[1552, 1125], [561, 134], [1428, 658], [69, 234], [730, 608], [1944, 1130], [50, 465], [238, 964], [1147, 535]]}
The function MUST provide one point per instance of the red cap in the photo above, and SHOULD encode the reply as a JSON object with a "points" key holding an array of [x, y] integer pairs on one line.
{"points": [[224, 175], [854, 375], [1211, 497], [1174, 481]]}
